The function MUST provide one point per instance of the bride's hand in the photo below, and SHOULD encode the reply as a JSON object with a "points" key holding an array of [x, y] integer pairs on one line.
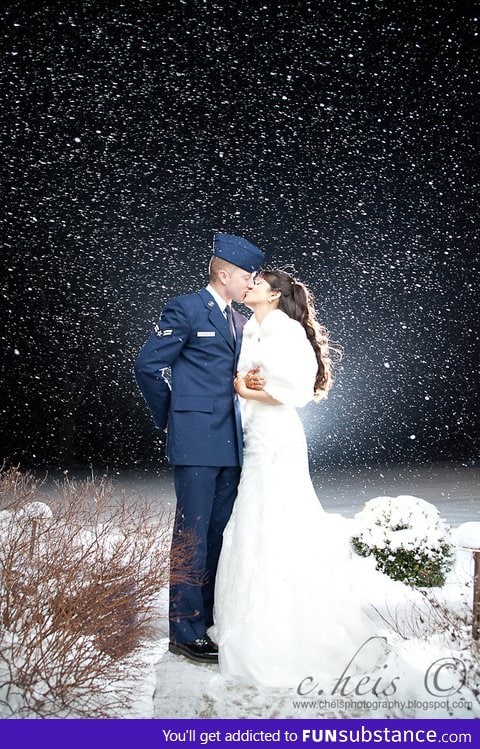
{"points": [[254, 379], [257, 394], [240, 386]]}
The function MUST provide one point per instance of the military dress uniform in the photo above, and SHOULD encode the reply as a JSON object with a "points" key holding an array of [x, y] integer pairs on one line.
{"points": [[194, 341]]}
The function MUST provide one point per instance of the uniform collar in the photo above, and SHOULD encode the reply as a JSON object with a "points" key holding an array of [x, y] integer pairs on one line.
{"points": [[221, 302]]}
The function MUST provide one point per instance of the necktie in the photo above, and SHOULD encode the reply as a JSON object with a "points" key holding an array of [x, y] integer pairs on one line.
{"points": [[228, 315]]}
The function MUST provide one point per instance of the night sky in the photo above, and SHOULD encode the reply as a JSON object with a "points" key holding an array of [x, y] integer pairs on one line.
{"points": [[339, 136]]}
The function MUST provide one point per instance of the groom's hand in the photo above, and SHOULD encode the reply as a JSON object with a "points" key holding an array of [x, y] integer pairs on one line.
{"points": [[254, 380]]}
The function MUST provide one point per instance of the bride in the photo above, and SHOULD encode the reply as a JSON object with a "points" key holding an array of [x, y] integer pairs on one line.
{"points": [[285, 602]]}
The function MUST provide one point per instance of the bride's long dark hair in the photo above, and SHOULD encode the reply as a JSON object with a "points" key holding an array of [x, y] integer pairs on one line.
{"points": [[297, 302]]}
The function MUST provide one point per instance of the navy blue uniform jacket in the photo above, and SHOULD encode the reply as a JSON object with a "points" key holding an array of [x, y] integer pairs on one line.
{"points": [[193, 342]]}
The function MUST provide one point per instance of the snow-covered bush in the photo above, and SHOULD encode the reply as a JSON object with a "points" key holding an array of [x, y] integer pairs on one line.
{"points": [[408, 539], [467, 535]]}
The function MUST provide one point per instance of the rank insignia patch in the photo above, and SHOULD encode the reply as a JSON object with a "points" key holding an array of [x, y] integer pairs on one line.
{"points": [[160, 333]]}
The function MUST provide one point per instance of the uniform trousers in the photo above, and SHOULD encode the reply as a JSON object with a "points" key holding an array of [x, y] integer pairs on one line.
{"points": [[205, 497]]}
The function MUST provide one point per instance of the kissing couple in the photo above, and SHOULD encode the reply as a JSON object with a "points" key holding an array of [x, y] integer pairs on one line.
{"points": [[274, 597]]}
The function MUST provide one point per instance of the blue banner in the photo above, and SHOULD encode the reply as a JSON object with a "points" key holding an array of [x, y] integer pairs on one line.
{"points": [[89, 734]]}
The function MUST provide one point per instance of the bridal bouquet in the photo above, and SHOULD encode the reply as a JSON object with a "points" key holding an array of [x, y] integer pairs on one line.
{"points": [[408, 539]]}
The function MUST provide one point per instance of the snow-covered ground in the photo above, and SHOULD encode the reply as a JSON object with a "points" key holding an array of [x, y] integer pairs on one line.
{"points": [[420, 675]]}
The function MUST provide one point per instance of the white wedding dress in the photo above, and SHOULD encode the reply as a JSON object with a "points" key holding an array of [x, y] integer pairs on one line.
{"points": [[285, 601]]}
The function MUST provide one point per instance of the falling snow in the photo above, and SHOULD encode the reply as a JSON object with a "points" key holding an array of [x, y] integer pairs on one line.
{"points": [[338, 136]]}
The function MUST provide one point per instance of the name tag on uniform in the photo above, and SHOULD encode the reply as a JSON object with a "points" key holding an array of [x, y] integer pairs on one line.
{"points": [[205, 334]]}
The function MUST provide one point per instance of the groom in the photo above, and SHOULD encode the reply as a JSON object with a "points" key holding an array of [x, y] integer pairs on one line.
{"points": [[198, 339]]}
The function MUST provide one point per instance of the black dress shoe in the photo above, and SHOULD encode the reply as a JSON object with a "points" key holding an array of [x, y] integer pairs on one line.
{"points": [[201, 650]]}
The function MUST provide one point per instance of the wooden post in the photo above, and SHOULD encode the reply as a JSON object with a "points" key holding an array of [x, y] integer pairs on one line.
{"points": [[33, 536], [476, 596], [468, 538]]}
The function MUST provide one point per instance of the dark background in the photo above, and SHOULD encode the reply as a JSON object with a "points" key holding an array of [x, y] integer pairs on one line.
{"points": [[341, 137]]}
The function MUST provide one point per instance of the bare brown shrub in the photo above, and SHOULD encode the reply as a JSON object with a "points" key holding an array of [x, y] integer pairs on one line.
{"points": [[79, 594], [16, 487]]}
